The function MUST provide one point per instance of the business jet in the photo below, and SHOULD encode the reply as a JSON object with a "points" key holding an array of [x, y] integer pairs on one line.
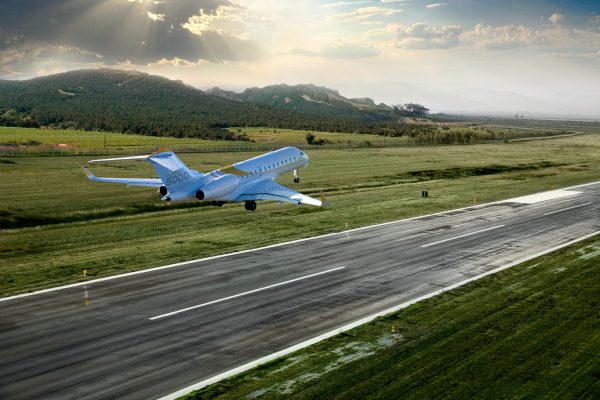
{"points": [[247, 181]]}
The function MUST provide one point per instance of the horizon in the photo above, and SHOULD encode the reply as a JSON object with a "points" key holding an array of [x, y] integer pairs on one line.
{"points": [[537, 58]]}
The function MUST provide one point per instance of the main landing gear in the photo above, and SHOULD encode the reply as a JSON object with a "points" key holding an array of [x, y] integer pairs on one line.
{"points": [[250, 205], [218, 203]]}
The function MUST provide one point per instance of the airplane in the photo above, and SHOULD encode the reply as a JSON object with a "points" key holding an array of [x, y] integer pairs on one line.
{"points": [[246, 181]]}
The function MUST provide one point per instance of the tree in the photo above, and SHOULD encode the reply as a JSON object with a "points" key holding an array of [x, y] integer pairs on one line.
{"points": [[411, 109], [416, 109]]}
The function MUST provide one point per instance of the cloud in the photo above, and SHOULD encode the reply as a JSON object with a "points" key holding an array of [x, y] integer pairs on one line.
{"points": [[504, 37], [555, 18], [588, 56], [435, 5], [344, 3], [340, 50], [423, 36], [364, 13], [21, 56], [141, 32], [156, 17]]}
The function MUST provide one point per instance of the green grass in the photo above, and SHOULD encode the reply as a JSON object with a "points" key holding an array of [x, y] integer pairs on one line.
{"points": [[532, 331], [291, 137], [111, 229], [73, 139]]}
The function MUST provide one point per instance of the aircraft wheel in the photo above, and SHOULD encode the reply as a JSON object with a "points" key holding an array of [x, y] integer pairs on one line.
{"points": [[250, 205]]}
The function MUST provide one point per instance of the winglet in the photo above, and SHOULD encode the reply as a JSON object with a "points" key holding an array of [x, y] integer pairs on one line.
{"points": [[160, 150], [89, 175]]}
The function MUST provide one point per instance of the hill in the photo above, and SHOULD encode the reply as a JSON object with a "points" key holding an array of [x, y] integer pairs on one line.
{"points": [[135, 102], [313, 100]]}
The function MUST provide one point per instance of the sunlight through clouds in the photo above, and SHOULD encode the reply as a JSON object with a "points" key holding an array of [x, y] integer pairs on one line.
{"points": [[385, 49]]}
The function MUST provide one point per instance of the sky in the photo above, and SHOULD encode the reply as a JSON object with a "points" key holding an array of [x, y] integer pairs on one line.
{"points": [[532, 57]]}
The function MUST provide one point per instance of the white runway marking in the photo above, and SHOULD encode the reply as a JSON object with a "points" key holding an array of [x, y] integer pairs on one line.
{"points": [[190, 262], [461, 236], [568, 208], [539, 197], [337, 331], [243, 294]]}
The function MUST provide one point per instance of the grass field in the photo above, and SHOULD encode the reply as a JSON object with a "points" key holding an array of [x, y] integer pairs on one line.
{"points": [[531, 331], [290, 137], [73, 139], [111, 229], [29, 141]]}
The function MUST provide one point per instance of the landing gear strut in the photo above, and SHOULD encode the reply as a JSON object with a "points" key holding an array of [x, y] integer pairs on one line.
{"points": [[250, 205], [296, 176]]}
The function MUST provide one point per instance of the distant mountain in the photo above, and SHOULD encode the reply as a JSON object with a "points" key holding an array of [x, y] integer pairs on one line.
{"points": [[313, 100], [135, 102]]}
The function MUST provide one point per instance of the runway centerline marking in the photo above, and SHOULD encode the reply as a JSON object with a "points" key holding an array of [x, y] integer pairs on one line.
{"points": [[244, 294], [568, 208], [461, 236]]}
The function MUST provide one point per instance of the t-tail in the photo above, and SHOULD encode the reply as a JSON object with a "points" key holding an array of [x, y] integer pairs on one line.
{"points": [[171, 170], [173, 173]]}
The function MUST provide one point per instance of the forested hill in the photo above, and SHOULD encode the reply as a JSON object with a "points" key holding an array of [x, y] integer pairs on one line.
{"points": [[314, 100], [134, 102]]}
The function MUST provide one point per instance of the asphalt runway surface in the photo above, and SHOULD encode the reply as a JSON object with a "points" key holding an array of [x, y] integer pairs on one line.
{"points": [[147, 335]]}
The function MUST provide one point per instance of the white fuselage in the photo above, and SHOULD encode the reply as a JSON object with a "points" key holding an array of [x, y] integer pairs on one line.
{"points": [[228, 183]]}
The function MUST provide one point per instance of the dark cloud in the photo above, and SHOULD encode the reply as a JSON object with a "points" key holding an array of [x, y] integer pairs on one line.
{"points": [[116, 31]]}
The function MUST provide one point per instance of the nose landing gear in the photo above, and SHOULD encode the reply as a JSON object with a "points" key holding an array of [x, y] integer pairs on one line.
{"points": [[296, 176], [250, 205]]}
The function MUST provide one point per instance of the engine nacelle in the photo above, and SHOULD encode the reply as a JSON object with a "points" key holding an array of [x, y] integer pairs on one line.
{"points": [[218, 188]]}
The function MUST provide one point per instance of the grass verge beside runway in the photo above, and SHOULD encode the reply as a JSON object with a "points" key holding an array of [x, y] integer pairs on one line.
{"points": [[110, 229], [531, 331]]}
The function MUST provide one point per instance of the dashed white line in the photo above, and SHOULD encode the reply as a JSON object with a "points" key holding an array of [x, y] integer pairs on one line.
{"points": [[243, 294], [362, 321], [535, 233], [461, 236], [568, 208], [190, 262]]}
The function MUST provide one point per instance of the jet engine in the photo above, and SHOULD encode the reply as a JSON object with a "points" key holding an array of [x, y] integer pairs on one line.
{"points": [[218, 188]]}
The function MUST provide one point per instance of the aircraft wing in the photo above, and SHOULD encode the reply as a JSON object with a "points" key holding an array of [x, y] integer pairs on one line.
{"points": [[271, 190], [150, 182]]}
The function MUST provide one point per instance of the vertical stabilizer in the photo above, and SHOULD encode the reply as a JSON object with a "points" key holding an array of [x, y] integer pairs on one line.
{"points": [[171, 170]]}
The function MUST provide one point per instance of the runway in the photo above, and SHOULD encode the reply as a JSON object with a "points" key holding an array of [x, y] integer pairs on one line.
{"points": [[149, 334]]}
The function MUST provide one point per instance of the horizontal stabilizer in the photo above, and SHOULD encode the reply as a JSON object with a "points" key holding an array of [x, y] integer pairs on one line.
{"points": [[149, 182], [120, 159]]}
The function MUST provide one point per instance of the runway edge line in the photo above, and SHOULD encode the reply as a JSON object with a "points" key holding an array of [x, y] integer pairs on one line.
{"points": [[362, 321], [184, 263]]}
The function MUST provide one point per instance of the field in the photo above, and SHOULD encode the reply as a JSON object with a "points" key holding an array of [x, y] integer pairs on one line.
{"points": [[90, 139], [531, 331], [290, 137], [29, 141], [56, 223]]}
